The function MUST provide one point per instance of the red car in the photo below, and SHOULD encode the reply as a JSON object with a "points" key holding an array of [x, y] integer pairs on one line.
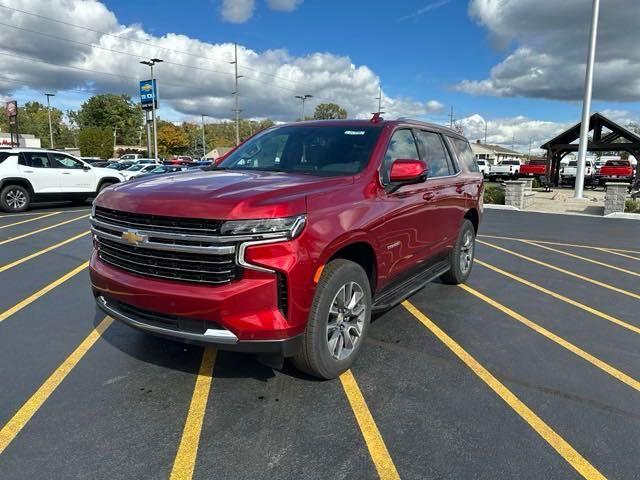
{"points": [[290, 244], [616, 171], [535, 168]]}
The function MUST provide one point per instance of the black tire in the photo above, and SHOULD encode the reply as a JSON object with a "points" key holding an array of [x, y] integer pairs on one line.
{"points": [[104, 185], [315, 357], [457, 274], [15, 198]]}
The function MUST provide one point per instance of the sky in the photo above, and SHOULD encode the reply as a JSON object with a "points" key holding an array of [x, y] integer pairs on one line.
{"points": [[515, 65]]}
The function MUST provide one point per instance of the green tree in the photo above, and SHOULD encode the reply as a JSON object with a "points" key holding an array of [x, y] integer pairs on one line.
{"points": [[172, 140], [113, 112], [329, 111], [96, 142]]}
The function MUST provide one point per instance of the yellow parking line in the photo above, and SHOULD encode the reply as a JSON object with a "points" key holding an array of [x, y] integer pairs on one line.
{"points": [[6, 267], [13, 239], [577, 245], [559, 444], [29, 220], [584, 259], [606, 250], [32, 298], [562, 270], [40, 213], [13, 427], [553, 294], [185, 461], [375, 443], [605, 367]]}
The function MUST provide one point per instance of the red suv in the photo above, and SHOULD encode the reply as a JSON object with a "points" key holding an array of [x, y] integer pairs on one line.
{"points": [[290, 244]]}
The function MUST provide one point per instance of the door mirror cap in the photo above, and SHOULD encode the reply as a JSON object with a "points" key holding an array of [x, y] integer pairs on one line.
{"points": [[407, 171], [86, 168]]}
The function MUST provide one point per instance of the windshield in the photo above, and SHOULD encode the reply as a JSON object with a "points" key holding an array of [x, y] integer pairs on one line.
{"points": [[135, 168], [315, 150], [617, 163], [510, 162], [573, 163]]}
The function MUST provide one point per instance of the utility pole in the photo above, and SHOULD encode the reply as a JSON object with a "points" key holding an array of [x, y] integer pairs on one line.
{"points": [[530, 140], [49, 95], [451, 118], [115, 134], [236, 93], [513, 142], [485, 131], [150, 63], [204, 143], [304, 98], [586, 105]]}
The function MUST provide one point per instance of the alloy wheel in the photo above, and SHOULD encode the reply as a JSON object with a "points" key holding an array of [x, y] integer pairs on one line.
{"points": [[346, 320], [16, 199], [466, 252]]}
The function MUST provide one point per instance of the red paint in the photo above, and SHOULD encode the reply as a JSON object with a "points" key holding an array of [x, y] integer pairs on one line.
{"points": [[404, 170], [404, 228]]}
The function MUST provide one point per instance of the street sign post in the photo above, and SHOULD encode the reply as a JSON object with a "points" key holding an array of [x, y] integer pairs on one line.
{"points": [[11, 109]]}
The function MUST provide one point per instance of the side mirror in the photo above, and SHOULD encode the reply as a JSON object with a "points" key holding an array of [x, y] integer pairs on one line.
{"points": [[406, 171], [86, 168]]}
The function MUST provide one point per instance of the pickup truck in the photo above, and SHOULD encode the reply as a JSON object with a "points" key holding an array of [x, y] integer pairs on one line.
{"points": [[505, 169], [484, 167], [568, 173], [535, 168], [617, 171]]}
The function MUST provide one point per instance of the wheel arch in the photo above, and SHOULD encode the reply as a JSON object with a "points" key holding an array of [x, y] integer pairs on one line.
{"points": [[109, 180], [473, 216], [17, 181], [361, 252]]}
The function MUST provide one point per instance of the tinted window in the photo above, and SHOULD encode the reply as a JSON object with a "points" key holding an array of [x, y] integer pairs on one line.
{"points": [[435, 154], [510, 162], [401, 145], [64, 161], [37, 160], [617, 163], [465, 154], [315, 150], [4, 156]]}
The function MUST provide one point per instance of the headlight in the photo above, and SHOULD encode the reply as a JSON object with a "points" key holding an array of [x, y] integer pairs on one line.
{"points": [[287, 227]]}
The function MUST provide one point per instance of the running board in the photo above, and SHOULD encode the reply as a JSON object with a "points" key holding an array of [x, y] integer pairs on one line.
{"points": [[393, 296]]}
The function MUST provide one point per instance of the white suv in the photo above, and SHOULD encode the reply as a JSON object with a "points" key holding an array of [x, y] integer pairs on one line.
{"points": [[28, 174]]}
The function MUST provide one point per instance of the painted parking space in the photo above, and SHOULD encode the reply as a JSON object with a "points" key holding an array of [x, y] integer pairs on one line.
{"points": [[432, 398]]}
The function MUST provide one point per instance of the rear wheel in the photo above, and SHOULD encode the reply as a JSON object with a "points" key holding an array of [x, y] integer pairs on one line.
{"points": [[462, 255], [338, 321], [14, 198]]}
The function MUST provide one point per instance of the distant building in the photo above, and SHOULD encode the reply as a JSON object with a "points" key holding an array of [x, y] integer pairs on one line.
{"points": [[218, 152], [26, 140], [494, 153]]}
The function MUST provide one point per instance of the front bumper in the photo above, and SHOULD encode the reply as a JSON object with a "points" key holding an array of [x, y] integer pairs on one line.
{"points": [[157, 324]]}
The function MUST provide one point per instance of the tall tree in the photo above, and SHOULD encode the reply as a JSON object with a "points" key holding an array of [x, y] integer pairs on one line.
{"points": [[172, 140], [114, 112], [329, 111]]}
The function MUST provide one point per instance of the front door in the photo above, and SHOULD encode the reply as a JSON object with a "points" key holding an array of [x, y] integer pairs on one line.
{"points": [[74, 175], [36, 168]]}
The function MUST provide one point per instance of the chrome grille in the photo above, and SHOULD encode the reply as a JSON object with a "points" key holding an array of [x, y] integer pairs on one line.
{"points": [[150, 245]]}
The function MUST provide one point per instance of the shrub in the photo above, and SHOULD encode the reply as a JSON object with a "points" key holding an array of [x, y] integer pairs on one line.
{"points": [[536, 183], [632, 206], [494, 194]]}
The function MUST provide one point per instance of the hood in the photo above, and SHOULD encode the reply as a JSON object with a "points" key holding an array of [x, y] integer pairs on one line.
{"points": [[219, 194]]}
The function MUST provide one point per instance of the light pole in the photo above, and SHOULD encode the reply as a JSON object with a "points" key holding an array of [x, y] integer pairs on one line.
{"points": [[49, 95], [237, 92], [304, 98], [586, 105], [204, 143], [150, 63]]}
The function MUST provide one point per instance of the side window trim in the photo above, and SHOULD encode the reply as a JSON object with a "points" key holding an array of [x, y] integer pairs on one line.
{"points": [[453, 155]]}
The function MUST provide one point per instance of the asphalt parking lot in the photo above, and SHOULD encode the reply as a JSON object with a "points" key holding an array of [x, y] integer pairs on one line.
{"points": [[532, 370]]}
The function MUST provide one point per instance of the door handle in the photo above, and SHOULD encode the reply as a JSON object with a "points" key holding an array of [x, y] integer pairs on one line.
{"points": [[66, 173], [28, 171], [428, 196]]}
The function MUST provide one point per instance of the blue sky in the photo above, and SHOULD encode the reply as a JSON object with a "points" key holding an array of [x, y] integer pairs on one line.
{"points": [[516, 64]]}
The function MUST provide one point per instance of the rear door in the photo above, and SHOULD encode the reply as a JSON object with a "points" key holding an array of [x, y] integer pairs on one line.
{"points": [[74, 177], [36, 167]]}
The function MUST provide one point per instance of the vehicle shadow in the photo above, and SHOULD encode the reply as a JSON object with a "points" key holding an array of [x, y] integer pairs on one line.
{"points": [[186, 357]]}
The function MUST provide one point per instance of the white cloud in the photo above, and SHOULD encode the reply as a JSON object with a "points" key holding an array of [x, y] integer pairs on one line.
{"points": [[196, 77], [284, 5], [550, 52], [237, 11]]}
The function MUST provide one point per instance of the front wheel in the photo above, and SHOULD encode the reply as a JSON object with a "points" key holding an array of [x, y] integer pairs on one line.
{"points": [[338, 321], [14, 198], [462, 255]]}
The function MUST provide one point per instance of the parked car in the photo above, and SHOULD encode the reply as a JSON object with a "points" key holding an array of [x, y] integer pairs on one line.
{"points": [[101, 164], [27, 175], [91, 160], [484, 167], [568, 173], [616, 171], [182, 160], [289, 246], [130, 157], [148, 161], [505, 169], [138, 169], [120, 166], [534, 168]]}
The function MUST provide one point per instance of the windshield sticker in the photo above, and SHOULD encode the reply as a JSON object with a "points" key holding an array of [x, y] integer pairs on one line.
{"points": [[354, 132]]}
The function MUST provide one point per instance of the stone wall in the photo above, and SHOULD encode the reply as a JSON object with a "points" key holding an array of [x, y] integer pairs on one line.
{"points": [[615, 197]]}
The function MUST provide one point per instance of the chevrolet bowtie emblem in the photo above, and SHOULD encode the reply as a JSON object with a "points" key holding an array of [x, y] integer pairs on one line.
{"points": [[132, 237]]}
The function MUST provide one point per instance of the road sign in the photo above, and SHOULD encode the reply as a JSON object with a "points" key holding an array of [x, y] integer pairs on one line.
{"points": [[148, 93]]}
